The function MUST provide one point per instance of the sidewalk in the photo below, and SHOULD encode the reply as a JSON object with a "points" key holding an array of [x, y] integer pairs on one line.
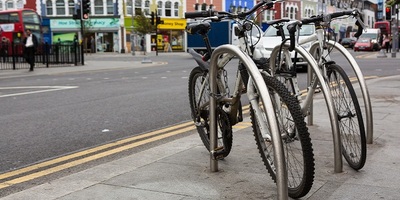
{"points": [[98, 61], [181, 170]]}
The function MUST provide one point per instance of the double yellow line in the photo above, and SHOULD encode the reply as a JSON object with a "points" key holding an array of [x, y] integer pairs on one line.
{"points": [[44, 168]]}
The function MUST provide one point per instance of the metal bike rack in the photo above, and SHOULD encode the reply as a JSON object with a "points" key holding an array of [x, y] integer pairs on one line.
{"points": [[337, 151], [281, 172], [363, 86]]}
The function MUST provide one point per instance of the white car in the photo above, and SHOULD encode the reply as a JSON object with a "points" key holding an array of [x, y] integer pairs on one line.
{"points": [[271, 39]]}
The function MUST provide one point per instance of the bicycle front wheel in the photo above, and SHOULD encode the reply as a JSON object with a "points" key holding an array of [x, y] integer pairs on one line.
{"points": [[351, 125], [296, 139], [199, 98]]}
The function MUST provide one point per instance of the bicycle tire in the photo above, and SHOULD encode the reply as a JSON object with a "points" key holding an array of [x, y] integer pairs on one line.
{"points": [[296, 140], [351, 124], [201, 115]]}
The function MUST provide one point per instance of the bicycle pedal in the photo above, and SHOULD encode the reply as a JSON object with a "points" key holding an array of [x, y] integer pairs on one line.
{"points": [[218, 153]]}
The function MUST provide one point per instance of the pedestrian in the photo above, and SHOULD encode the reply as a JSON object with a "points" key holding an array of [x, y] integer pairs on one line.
{"points": [[30, 44], [388, 45], [142, 44], [92, 47]]}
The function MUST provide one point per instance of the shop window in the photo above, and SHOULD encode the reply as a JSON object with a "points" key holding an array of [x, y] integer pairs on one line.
{"points": [[49, 7], [110, 7], [176, 9], [60, 7], [98, 7], [168, 9], [71, 7], [129, 7]]}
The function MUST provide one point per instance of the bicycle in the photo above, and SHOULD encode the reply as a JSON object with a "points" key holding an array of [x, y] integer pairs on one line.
{"points": [[339, 93], [290, 121]]}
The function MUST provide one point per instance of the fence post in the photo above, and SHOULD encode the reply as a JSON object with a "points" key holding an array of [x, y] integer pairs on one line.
{"points": [[13, 54], [82, 54], [57, 53], [46, 47], [43, 46], [75, 53]]}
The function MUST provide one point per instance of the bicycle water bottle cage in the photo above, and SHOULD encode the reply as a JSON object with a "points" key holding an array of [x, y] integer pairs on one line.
{"points": [[200, 28]]}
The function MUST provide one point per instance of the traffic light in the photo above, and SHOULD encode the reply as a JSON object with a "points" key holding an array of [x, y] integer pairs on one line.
{"points": [[85, 9], [152, 18], [158, 20], [388, 13]]}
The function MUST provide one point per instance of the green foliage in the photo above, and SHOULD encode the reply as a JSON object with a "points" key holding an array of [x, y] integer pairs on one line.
{"points": [[391, 3], [142, 24]]}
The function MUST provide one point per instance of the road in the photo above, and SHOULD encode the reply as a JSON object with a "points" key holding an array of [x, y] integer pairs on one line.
{"points": [[50, 116], [88, 109]]}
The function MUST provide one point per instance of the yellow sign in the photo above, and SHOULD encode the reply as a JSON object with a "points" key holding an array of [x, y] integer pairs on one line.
{"points": [[177, 24]]}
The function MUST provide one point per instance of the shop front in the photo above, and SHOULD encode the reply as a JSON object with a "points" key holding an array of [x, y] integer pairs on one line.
{"points": [[170, 35], [99, 34]]}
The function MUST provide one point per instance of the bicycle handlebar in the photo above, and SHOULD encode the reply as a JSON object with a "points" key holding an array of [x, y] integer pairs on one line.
{"points": [[328, 17], [325, 18]]}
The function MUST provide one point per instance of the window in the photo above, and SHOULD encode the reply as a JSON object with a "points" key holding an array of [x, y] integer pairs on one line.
{"points": [[129, 7], [176, 9], [159, 8], [10, 4], [110, 7], [138, 7], [60, 7], [168, 9], [98, 7], [146, 7], [1, 5], [30, 17], [71, 7], [9, 18], [49, 7]]}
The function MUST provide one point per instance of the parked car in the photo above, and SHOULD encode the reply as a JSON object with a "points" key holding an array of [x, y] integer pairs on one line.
{"points": [[364, 44], [348, 42], [271, 38]]}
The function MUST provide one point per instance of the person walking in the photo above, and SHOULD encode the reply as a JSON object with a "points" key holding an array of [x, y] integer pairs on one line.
{"points": [[30, 44], [142, 43], [92, 43]]}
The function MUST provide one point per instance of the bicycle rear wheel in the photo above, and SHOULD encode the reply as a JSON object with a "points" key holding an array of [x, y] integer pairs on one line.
{"points": [[351, 125], [296, 139], [199, 98]]}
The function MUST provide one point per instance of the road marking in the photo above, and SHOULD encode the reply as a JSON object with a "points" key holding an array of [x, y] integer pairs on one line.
{"points": [[126, 144], [42, 89]]}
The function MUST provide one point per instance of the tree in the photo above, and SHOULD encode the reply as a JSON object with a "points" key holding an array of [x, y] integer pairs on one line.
{"points": [[142, 24]]}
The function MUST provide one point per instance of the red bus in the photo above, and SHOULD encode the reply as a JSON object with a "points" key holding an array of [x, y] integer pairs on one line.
{"points": [[384, 26], [14, 23]]}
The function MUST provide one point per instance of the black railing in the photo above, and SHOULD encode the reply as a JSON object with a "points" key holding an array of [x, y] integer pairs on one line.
{"points": [[47, 55]]}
